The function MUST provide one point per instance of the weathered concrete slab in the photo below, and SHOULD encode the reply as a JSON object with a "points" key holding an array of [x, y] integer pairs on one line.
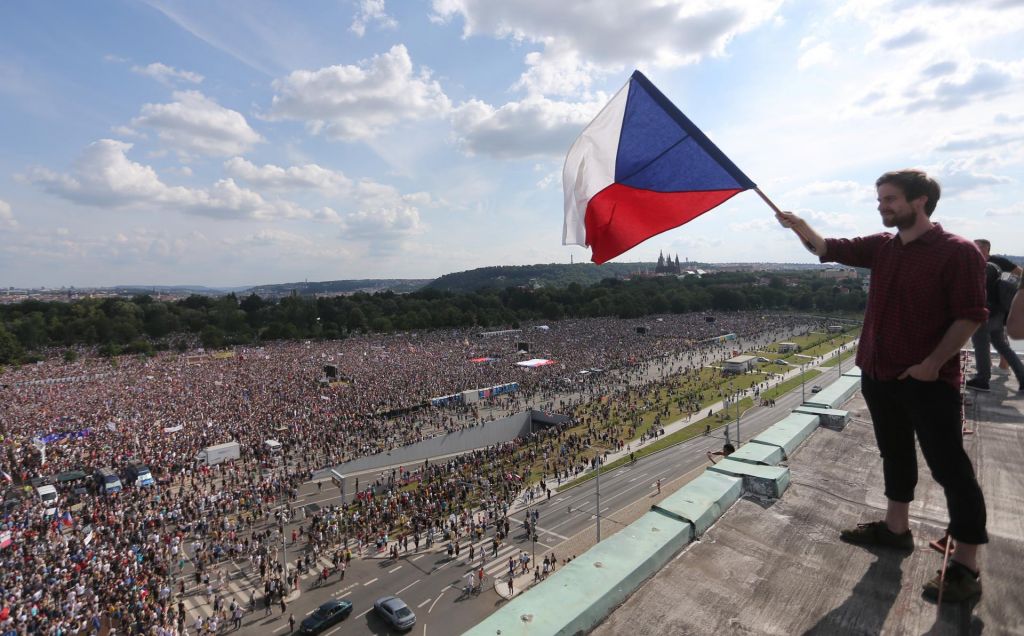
{"points": [[579, 595], [836, 394], [830, 418], [764, 454], [703, 501], [852, 373], [765, 481], [789, 432]]}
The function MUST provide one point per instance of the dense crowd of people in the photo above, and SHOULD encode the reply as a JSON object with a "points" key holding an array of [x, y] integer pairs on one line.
{"points": [[129, 559]]}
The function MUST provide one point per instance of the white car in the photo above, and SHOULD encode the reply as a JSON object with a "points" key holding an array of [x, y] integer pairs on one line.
{"points": [[394, 610], [48, 495]]}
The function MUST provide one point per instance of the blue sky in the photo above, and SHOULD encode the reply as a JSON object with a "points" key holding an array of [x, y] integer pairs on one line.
{"points": [[233, 143]]}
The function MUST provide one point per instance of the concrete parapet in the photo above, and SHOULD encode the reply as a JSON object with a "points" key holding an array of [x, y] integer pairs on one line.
{"points": [[578, 596], [836, 394], [766, 481], [830, 418], [790, 432], [763, 454], [702, 501]]}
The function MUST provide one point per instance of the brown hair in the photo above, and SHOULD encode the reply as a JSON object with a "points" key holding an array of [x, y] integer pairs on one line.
{"points": [[914, 184]]}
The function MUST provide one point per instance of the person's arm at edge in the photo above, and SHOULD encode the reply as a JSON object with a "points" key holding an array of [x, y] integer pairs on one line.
{"points": [[1007, 265], [952, 341], [811, 239], [1015, 320]]}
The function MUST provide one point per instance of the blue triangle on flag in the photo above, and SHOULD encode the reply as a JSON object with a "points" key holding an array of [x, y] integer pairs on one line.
{"points": [[661, 150]]}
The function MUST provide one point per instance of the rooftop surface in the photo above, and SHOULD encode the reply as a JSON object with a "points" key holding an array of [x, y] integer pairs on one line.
{"points": [[778, 567]]}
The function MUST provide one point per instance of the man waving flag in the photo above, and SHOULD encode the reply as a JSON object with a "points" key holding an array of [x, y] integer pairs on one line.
{"points": [[639, 169]]}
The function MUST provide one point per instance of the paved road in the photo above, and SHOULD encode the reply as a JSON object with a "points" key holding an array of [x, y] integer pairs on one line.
{"points": [[431, 583]]}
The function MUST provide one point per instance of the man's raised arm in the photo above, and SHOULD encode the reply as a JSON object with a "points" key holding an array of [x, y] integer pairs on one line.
{"points": [[811, 239]]}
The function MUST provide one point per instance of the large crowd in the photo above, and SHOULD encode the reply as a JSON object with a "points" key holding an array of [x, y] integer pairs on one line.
{"points": [[125, 559]]}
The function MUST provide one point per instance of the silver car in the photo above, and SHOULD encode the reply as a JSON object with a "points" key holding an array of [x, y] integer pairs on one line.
{"points": [[394, 610]]}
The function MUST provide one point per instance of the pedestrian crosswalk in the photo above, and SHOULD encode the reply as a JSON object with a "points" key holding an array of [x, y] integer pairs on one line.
{"points": [[246, 582]]}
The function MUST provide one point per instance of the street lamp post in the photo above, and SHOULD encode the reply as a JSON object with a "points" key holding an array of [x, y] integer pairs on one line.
{"points": [[738, 415], [533, 535], [599, 462], [284, 552], [803, 384]]}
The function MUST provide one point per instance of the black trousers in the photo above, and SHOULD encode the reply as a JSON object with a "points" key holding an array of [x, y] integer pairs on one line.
{"points": [[901, 409]]}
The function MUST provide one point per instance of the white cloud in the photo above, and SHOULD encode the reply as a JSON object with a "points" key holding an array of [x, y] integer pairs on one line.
{"points": [[608, 34], [194, 123], [947, 43], [362, 193], [838, 222], [896, 36], [994, 139], [1017, 209], [552, 179], [960, 176], [7, 219], [941, 86], [371, 11], [820, 54], [559, 70], [373, 209], [167, 74], [984, 80], [832, 188], [272, 236], [127, 131], [282, 245], [137, 245], [359, 101], [533, 127], [1005, 118], [754, 225], [271, 177], [939, 69], [181, 171], [383, 222], [104, 176]]}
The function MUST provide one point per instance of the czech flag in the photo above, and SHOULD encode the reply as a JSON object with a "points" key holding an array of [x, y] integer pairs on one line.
{"points": [[639, 169], [66, 518]]}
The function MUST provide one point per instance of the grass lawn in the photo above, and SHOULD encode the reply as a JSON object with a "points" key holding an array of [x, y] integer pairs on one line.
{"points": [[791, 384], [828, 345], [642, 407], [688, 432], [697, 428], [846, 355]]}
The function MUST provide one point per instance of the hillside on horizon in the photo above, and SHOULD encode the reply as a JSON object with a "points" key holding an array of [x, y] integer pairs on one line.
{"points": [[556, 275], [539, 275]]}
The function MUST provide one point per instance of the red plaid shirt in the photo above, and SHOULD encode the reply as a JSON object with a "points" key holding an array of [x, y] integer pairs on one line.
{"points": [[917, 291]]}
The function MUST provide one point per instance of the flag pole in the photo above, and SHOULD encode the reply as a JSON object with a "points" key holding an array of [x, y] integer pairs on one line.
{"points": [[771, 204]]}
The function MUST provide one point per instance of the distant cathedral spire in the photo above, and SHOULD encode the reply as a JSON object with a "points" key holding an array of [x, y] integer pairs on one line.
{"points": [[666, 265]]}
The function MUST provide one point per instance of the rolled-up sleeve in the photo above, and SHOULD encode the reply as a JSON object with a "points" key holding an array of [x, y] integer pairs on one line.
{"points": [[855, 252], [965, 274]]}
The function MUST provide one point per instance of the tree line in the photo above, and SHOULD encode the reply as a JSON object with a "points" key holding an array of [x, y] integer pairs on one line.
{"points": [[31, 329]]}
